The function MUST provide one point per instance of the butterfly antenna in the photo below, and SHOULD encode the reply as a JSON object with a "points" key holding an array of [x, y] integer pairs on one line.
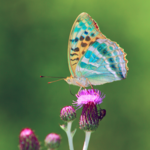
{"points": [[62, 78], [55, 81], [50, 77], [71, 92]]}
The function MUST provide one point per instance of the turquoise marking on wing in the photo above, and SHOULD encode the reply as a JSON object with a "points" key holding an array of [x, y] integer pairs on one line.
{"points": [[87, 66], [117, 59], [110, 47], [77, 29], [90, 28], [84, 27], [88, 54], [95, 44], [111, 60], [101, 47], [103, 62], [81, 24], [89, 22], [92, 57]]}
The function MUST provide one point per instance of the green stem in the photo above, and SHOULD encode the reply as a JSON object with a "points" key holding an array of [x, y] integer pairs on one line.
{"points": [[69, 135], [87, 139]]}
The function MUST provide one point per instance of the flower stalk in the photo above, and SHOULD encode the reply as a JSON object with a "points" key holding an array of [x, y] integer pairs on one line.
{"points": [[69, 135], [87, 139]]}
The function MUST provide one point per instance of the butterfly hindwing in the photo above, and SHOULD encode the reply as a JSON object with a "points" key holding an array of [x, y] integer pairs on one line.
{"points": [[103, 62], [84, 32]]}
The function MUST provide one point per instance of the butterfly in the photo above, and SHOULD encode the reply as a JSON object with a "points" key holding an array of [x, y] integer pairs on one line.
{"points": [[93, 59]]}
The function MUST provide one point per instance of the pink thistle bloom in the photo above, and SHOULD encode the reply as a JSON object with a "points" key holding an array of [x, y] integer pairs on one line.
{"points": [[91, 95], [88, 99]]}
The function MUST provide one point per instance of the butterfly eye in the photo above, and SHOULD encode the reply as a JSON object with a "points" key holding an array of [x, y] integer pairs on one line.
{"points": [[68, 80]]}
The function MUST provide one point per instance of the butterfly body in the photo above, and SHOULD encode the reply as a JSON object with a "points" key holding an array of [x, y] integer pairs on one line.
{"points": [[93, 59], [78, 81]]}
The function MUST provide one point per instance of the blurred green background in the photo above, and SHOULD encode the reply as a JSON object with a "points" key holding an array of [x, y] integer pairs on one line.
{"points": [[33, 41]]}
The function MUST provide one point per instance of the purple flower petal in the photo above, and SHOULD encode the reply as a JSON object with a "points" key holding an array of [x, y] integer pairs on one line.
{"points": [[91, 95]]}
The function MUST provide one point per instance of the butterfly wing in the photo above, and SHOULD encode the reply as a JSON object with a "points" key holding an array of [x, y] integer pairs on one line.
{"points": [[104, 61], [83, 33]]}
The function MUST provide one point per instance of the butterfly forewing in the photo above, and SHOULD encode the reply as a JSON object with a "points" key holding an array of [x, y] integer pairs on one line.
{"points": [[84, 32]]}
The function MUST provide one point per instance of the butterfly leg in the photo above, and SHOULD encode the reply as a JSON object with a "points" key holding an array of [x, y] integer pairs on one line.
{"points": [[87, 80], [81, 86], [80, 89]]}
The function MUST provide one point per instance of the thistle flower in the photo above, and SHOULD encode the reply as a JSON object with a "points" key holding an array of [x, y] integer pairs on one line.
{"points": [[52, 141], [68, 113], [28, 140], [88, 99]]}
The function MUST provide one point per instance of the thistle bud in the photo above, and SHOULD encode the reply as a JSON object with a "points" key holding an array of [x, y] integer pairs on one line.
{"points": [[68, 113], [28, 140], [52, 141]]}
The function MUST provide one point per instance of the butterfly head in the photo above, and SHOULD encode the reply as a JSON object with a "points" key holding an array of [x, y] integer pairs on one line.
{"points": [[73, 80], [77, 81], [69, 80]]}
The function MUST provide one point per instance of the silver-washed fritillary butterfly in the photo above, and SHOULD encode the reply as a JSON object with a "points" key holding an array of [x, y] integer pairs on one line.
{"points": [[93, 59]]}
